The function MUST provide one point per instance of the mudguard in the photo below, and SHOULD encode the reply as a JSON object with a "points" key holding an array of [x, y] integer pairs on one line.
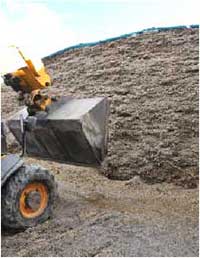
{"points": [[3, 138], [9, 165]]}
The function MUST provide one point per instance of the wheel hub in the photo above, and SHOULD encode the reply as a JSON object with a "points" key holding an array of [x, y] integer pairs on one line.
{"points": [[33, 200]]}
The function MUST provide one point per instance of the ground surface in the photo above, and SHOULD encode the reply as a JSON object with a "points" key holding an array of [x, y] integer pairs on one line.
{"points": [[152, 83], [96, 216]]}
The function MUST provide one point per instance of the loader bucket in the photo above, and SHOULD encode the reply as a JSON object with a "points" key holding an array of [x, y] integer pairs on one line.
{"points": [[74, 131]]}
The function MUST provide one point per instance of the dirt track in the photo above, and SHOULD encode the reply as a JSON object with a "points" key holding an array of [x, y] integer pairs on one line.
{"points": [[152, 83]]}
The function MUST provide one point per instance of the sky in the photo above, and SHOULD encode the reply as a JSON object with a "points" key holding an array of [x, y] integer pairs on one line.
{"points": [[45, 26]]}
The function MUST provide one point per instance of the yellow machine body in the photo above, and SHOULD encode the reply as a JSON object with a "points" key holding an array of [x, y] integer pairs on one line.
{"points": [[30, 80]]}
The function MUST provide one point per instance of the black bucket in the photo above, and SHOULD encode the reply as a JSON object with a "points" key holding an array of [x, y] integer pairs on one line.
{"points": [[74, 131]]}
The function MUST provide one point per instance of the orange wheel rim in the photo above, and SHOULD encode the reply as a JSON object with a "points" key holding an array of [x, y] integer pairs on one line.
{"points": [[40, 191]]}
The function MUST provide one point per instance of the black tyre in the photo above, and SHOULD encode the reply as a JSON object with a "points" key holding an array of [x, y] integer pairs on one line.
{"points": [[27, 198]]}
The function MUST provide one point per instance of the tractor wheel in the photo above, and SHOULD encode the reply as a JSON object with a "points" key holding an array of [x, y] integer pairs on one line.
{"points": [[27, 198]]}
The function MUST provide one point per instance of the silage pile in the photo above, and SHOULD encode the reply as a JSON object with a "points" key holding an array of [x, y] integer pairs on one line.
{"points": [[152, 83]]}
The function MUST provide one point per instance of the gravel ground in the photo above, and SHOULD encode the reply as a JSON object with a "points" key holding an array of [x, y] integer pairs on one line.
{"points": [[96, 216]]}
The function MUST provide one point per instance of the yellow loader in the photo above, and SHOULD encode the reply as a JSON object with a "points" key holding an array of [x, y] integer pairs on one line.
{"points": [[66, 129]]}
